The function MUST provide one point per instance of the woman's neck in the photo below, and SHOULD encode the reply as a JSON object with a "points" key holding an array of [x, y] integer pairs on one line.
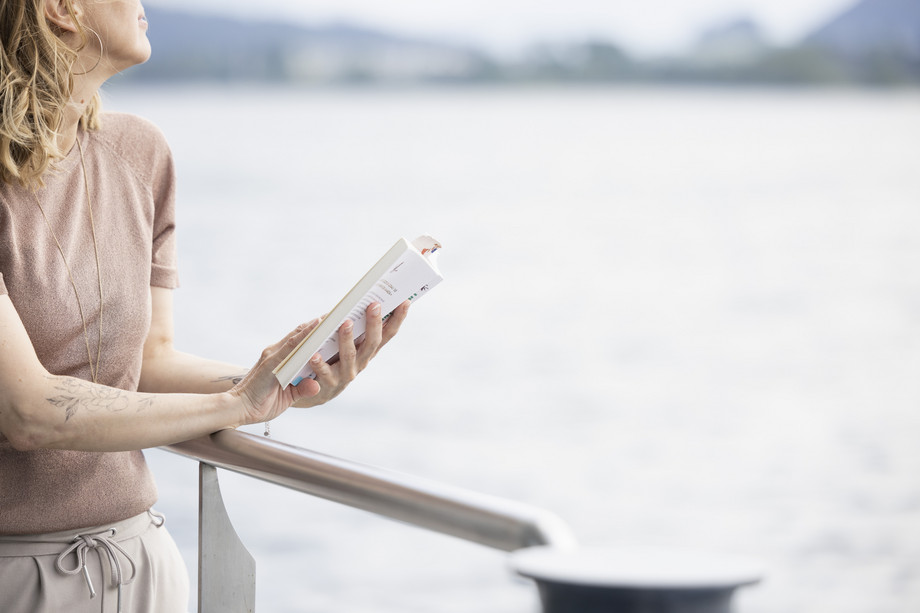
{"points": [[67, 135], [84, 89]]}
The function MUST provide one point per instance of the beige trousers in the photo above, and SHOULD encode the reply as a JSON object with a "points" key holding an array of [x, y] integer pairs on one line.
{"points": [[134, 563]]}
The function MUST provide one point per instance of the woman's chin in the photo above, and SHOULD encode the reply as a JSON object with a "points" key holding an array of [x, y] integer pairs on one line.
{"points": [[138, 56]]}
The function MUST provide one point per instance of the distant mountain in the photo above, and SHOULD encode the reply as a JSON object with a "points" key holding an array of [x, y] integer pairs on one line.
{"points": [[871, 27], [195, 46]]}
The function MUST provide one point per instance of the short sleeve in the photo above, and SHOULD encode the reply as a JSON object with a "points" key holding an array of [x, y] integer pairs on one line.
{"points": [[163, 266], [163, 269]]}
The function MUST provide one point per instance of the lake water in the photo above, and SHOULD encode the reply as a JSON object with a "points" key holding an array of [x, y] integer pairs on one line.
{"points": [[673, 317]]}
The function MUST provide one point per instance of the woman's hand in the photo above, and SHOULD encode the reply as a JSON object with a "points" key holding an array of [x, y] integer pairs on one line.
{"points": [[262, 396], [260, 393], [352, 358]]}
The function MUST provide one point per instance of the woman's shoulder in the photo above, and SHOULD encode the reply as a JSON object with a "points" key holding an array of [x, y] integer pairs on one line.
{"points": [[133, 139], [128, 126]]}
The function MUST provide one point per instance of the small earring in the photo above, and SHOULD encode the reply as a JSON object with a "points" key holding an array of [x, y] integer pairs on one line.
{"points": [[98, 59]]}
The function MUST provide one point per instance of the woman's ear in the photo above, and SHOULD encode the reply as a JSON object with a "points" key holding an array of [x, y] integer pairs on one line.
{"points": [[58, 14]]}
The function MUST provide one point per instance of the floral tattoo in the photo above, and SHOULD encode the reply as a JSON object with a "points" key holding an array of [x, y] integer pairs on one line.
{"points": [[75, 394]]}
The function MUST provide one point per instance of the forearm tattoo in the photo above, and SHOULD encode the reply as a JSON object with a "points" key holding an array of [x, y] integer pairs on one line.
{"points": [[75, 394], [234, 379]]}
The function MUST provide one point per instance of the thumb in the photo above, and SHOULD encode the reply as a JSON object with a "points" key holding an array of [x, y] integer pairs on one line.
{"points": [[307, 388]]}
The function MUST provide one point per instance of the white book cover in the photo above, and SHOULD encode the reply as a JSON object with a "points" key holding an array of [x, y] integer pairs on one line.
{"points": [[406, 272]]}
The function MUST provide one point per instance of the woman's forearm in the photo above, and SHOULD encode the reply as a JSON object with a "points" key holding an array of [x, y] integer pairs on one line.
{"points": [[170, 371], [166, 370], [70, 413]]}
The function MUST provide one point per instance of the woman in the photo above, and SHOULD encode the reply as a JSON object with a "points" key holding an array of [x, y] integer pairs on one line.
{"points": [[88, 373]]}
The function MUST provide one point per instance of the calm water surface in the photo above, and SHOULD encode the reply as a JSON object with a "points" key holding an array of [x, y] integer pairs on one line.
{"points": [[683, 318]]}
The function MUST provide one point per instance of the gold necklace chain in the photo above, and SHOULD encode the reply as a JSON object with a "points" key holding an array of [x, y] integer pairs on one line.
{"points": [[93, 369]]}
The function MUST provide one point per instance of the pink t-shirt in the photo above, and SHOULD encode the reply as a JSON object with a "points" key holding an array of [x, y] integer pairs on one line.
{"points": [[131, 185]]}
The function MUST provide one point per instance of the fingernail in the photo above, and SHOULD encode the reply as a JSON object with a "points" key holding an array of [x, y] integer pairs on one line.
{"points": [[346, 326], [375, 310], [316, 359]]}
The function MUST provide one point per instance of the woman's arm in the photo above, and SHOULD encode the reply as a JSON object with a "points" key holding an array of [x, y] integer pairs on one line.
{"points": [[41, 410]]}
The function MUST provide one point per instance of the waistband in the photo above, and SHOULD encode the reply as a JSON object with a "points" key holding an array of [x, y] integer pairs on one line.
{"points": [[52, 543], [101, 539]]}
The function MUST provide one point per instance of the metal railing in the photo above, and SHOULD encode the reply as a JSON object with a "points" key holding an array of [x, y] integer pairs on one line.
{"points": [[488, 520], [226, 574], [226, 570]]}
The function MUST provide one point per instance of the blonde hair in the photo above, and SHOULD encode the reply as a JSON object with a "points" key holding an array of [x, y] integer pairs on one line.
{"points": [[36, 83]]}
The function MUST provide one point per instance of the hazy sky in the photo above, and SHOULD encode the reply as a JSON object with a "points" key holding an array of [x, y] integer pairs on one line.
{"points": [[640, 25]]}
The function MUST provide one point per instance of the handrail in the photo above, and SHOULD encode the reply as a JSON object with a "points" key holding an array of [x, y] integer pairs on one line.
{"points": [[480, 518], [588, 580]]}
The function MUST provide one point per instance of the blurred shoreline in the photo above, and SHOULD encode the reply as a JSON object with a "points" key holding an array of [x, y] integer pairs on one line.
{"points": [[875, 43]]}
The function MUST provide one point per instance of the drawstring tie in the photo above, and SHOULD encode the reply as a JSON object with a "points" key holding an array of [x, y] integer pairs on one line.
{"points": [[101, 540]]}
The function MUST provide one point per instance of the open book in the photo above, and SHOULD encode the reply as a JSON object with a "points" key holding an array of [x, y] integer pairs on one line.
{"points": [[406, 272]]}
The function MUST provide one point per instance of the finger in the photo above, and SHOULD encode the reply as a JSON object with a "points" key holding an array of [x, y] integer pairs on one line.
{"points": [[394, 321], [372, 335], [292, 339], [273, 354], [347, 350], [325, 377]]}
